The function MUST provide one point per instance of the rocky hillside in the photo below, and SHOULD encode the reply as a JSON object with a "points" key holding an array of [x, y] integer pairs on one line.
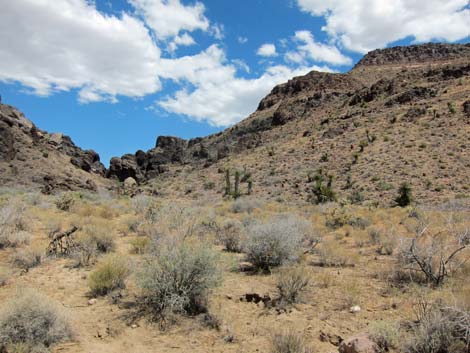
{"points": [[30, 157], [401, 115]]}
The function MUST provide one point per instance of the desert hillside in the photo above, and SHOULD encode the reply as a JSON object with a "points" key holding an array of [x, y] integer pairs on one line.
{"points": [[401, 115]]}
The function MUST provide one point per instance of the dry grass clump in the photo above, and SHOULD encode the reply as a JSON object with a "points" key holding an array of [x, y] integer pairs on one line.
{"points": [[28, 258], [275, 242], [385, 334], [288, 342], [84, 252], [178, 278], [440, 329], [13, 225], [139, 245], [4, 276], [65, 201], [332, 255], [230, 234], [102, 236], [110, 275], [291, 283], [32, 322], [243, 204]]}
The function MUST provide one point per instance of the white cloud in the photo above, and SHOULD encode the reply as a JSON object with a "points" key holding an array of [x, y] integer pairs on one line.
{"points": [[181, 40], [167, 18], [308, 48], [217, 30], [363, 25], [219, 97], [267, 50], [53, 46], [242, 40]]}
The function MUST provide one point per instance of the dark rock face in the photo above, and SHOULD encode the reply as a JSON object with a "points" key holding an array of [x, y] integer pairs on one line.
{"points": [[466, 108], [414, 94], [415, 54], [7, 150]]}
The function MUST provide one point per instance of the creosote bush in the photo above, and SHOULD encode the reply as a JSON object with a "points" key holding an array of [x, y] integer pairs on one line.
{"points": [[177, 278], [65, 201], [110, 275], [28, 258], [31, 321], [405, 196], [276, 242]]}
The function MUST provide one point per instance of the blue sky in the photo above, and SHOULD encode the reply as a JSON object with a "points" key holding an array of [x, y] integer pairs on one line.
{"points": [[115, 74]]}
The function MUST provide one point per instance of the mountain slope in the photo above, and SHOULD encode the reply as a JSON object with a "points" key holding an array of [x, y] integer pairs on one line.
{"points": [[30, 157], [401, 115]]}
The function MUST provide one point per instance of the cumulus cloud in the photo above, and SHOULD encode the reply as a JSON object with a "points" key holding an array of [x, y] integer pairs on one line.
{"points": [[308, 48], [218, 96], [167, 18], [267, 50], [363, 25], [62, 45], [181, 40]]}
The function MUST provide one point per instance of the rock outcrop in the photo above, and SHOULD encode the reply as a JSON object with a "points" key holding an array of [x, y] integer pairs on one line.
{"points": [[33, 157]]}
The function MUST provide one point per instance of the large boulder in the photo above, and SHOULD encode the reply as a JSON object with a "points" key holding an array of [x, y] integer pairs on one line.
{"points": [[360, 343], [172, 147], [123, 168]]}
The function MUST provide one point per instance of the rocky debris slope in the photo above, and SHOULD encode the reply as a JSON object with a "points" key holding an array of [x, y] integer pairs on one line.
{"points": [[32, 157]]}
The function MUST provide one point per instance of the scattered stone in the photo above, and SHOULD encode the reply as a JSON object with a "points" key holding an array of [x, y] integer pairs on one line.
{"points": [[360, 343], [92, 301], [355, 309]]}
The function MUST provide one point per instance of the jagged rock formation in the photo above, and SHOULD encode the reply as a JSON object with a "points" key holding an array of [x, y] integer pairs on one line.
{"points": [[32, 157]]}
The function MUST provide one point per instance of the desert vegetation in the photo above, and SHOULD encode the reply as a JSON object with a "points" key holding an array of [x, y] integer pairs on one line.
{"points": [[305, 276]]}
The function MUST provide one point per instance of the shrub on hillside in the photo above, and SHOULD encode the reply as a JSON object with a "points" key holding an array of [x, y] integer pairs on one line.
{"points": [[30, 320], [243, 204], [28, 258], [288, 342], [177, 279], [110, 275], [405, 196], [65, 201], [276, 242], [291, 282], [230, 235]]}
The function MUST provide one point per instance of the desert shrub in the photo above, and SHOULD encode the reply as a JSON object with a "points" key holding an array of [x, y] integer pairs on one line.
{"points": [[14, 239], [13, 225], [405, 196], [434, 256], [65, 201], [141, 203], [84, 252], [103, 239], [337, 217], [440, 330], [386, 335], [331, 255], [243, 204], [276, 242], [28, 258], [287, 342], [291, 282], [178, 278], [109, 275], [322, 189], [139, 245], [4, 276], [359, 222], [375, 235], [31, 320], [230, 235]]}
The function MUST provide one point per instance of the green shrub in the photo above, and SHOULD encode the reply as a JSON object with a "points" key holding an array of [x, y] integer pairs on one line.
{"points": [[177, 279], [110, 275], [31, 320], [139, 245], [322, 189], [405, 196], [276, 242], [386, 335]]}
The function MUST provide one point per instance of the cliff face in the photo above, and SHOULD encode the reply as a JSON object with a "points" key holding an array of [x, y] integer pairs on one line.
{"points": [[402, 114], [32, 157]]}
